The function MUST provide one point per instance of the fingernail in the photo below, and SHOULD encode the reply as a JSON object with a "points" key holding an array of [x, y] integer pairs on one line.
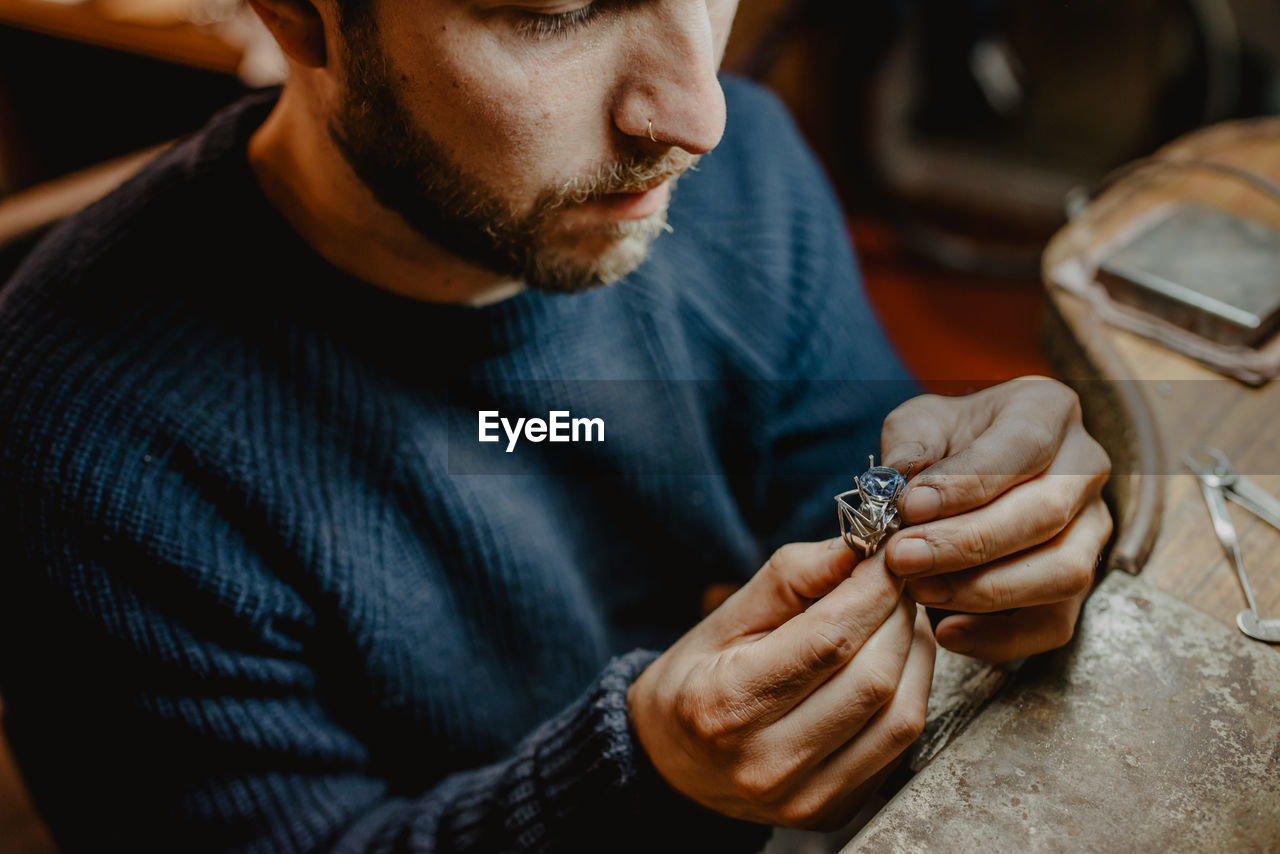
{"points": [[958, 640], [910, 556], [903, 454], [922, 504], [935, 590]]}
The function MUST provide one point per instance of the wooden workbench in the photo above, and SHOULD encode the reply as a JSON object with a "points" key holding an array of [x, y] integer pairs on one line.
{"points": [[1150, 406]]}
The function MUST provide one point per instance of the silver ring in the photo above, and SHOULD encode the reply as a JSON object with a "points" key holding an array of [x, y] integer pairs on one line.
{"points": [[874, 518]]}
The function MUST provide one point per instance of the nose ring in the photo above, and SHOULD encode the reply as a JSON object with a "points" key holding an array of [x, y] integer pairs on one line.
{"points": [[651, 136]]}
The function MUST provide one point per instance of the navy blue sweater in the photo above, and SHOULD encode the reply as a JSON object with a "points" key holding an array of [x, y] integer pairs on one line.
{"points": [[265, 590]]}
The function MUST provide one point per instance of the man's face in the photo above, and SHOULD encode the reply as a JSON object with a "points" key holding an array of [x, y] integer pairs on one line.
{"points": [[516, 135]]}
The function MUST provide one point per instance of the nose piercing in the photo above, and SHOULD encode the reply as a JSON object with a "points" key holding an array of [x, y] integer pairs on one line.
{"points": [[651, 136]]}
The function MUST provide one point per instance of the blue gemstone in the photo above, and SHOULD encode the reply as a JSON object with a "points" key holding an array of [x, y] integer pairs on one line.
{"points": [[881, 483]]}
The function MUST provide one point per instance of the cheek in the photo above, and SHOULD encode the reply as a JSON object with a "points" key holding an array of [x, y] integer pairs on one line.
{"points": [[515, 120]]}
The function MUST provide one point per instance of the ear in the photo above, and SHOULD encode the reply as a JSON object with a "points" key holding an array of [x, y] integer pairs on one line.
{"points": [[297, 27]]}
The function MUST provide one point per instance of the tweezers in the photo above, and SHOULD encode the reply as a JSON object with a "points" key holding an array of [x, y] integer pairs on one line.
{"points": [[1236, 486]]}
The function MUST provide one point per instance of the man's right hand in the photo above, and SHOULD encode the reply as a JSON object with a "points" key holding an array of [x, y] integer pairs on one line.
{"points": [[785, 703]]}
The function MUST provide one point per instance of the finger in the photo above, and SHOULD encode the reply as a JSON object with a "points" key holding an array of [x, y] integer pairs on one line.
{"points": [[890, 732], [780, 669], [918, 433], [839, 708], [1004, 638], [1060, 569], [1030, 424], [1026, 516], [788, 583]]}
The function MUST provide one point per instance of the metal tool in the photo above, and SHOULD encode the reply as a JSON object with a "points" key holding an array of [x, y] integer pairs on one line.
{"points": [[1219, 481]]}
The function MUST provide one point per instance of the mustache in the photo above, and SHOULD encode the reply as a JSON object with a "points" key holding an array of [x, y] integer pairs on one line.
{"points": [[631, 175]]}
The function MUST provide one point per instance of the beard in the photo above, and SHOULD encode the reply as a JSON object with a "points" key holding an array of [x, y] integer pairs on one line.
{"points": [[410, 173]]}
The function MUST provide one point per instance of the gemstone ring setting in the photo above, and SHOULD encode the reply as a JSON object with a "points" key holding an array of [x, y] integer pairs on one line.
{"points": [[866, 524]]}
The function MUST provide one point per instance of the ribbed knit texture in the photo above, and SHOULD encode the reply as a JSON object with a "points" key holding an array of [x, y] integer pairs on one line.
{"points": [[263, 590]]}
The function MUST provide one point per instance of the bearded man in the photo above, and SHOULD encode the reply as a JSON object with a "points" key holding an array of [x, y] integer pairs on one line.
{"points": [[268, 590]]}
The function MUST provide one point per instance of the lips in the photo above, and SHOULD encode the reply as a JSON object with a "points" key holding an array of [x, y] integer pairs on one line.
{"points": [[637, 205]]}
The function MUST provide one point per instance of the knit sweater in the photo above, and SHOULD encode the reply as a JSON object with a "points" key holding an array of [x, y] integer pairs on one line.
{"points": [[265, 589]]}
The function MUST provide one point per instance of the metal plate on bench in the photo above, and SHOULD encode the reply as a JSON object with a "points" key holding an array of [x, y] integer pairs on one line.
{"points": [[1158, 729], [1208, 271]]}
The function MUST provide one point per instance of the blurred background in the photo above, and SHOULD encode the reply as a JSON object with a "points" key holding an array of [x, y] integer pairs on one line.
{"points": [[954, 131]]}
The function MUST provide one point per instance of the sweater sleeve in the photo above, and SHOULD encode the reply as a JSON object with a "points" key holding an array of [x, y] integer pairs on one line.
{"points": [[580, 781], [166, 702]]}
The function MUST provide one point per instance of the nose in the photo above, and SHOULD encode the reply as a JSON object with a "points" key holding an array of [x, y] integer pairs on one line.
{"points": [[670, 80]]}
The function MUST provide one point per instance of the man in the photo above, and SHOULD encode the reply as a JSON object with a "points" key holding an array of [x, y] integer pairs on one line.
{"points": [[273, 588]]}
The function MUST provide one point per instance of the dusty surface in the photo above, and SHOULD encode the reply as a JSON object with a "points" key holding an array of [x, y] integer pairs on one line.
{"points": [[1158, 729]]}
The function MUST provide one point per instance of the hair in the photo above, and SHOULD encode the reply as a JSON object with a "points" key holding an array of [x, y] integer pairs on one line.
{"points": [[355, 17]]}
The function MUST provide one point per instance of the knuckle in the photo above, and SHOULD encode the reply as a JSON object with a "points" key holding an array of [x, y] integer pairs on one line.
{"points": [[719, 711], [921, 403], [742, 711], [974, 543], [1079, 577], [876, 689], [1067, 398], [828, 647], [1099, 459], [803, 813], [785, 570], [1044, 437], [1050, 392], [995, 593], [905, 418], [1108, 522], [1059, 511], [782, 558], [897, 421], [905, 727], [983, 488], [703, 721], [758, 782], [693, 717]]}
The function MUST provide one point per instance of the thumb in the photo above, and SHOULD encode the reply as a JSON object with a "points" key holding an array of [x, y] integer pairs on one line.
{"points": [[789, 582]]}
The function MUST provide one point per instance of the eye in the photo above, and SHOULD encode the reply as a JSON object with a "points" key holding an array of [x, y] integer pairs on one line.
{"points": [[540, 27]]}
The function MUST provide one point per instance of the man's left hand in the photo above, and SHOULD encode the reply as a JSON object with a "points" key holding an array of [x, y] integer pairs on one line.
{"points": [[1005, 513]]}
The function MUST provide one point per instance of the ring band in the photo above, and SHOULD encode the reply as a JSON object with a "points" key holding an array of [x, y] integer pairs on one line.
{"points": [[651, 136]]}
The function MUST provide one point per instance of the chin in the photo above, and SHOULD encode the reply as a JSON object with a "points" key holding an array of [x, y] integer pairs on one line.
{"points": [[600, 259], [624, 258]]}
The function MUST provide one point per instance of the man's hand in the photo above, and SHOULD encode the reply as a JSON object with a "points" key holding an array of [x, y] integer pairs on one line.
{"points": [[1004, 514], [783, 705]]}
